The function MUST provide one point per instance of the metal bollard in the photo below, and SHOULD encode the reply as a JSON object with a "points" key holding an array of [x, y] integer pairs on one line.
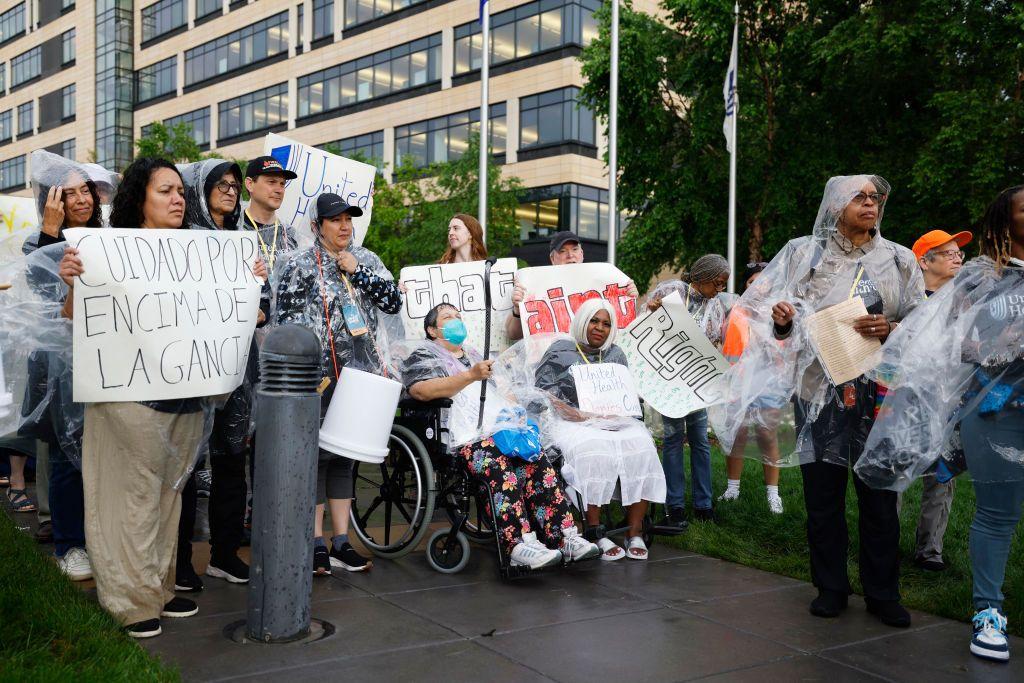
{"points": [[284, 486]]}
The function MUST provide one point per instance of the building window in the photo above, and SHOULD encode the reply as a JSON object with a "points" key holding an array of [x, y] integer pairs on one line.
{"points": [[162, 17], [67, 149], [369, 146], [323, 18], [156, 79], [26, 118], [555, 117], [300, 25], [66, 4], [361, 11], [12, 23], [239, 49], [253, 111], [26, 66], [12, 173], [383, 73], [446, 138], [205, 7], [3, 78], [67, 99], [67, 47], [6, 125], [578, 208], [526, 30], [199, 120]]}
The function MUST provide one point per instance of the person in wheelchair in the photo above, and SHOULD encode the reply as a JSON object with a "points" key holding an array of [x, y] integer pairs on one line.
{"points": [[527, 496], [600, 452]]}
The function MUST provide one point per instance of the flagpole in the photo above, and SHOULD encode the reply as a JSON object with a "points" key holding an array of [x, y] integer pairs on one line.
{"points": [[613, 137], [732, 164], [485, 20]]}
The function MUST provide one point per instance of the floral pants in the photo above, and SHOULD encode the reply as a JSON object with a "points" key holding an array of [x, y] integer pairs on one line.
{"points": [[527, 495]]}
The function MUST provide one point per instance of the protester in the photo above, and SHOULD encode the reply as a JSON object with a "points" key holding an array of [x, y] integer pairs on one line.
{"points": [[565, 250], [700, 288], [135, 456], [736, 334], [336, 289], [527, 494], [600, 453], [465, 240], [265, 180]]}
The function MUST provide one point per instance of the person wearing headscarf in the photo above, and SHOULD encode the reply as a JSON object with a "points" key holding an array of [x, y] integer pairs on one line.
{"points": [[600, 453], [213, 193], [339, 291], [701, 290], [956, 366], [844, 258]]}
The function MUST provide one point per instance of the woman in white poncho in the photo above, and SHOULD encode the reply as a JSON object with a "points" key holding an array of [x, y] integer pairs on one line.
{"points": [[600, 453]]}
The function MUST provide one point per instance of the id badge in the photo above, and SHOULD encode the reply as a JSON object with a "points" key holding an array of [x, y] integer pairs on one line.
{"points": [[849, 395], [353, 319]]}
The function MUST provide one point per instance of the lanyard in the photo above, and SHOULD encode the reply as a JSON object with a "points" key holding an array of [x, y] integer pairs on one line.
{"points": [[583, 355], [860, 274], [327, 315], [269, 254]]}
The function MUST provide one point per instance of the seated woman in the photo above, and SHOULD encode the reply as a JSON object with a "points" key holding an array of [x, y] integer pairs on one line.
{"points": [[528, 497], [600, 452]]}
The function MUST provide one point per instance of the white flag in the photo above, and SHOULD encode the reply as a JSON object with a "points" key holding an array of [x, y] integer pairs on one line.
{"points": [[732, 103]]}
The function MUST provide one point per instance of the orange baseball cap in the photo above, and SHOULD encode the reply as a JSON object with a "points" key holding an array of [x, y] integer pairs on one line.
{"points": [[936, 238]]}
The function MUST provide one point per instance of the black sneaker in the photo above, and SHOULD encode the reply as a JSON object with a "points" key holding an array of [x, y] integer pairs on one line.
{"points": [[144, 629], [44, 534], [936, 565], [230, 568], [204, 481], [179, 607], [705, 515], [348, 559], [889, 612], [675, 519], [187, 581], [829, 604], [321, 561]]}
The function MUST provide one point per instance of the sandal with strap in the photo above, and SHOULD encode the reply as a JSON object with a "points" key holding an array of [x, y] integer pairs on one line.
{"points": [[19, 500], [636, 549], [609, 551]]}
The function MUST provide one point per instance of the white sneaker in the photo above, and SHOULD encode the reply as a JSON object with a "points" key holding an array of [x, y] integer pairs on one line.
{"points": [[533, 554], [989, 641], [730, 494], [75, 564], [775, 504], [575, 548]]}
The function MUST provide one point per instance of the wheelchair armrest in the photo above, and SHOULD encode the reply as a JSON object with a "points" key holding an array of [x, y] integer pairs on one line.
{"points": [[413, 404]]}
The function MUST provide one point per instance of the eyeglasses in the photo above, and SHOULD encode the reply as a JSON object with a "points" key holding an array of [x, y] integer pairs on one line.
{"points": [[226, 187], [949, 254], [759, 264], [861, 197]]}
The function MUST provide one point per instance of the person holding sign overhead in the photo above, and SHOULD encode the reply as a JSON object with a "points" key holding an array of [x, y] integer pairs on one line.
{"points": [[605, 450], [136, 455], [265, 180], [336, 289]]}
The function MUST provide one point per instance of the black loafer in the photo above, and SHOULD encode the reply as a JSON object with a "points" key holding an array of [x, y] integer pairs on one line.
{"points": [[829, 604], [889, 612]]}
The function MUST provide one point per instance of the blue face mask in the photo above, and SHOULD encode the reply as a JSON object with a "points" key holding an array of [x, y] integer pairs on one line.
{"points": [[454, 332]]}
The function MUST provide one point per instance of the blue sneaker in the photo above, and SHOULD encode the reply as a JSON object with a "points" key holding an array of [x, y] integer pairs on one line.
{"points": [[989, 641]]}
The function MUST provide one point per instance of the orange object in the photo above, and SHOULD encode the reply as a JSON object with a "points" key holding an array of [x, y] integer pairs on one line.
{"points": [[935, 238], [737, 332]]}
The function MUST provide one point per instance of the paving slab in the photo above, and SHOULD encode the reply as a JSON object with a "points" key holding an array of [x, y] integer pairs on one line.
{"points": [[805, 668]]}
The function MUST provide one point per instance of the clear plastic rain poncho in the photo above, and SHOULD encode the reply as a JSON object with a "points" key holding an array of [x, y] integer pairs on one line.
{"points": [[311, 290], [955, 365], [84, 191], [813, 273], [200, 178]]}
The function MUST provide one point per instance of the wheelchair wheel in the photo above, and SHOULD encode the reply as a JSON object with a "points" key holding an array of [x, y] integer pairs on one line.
{"points": [[445, 555], [394, 501]]}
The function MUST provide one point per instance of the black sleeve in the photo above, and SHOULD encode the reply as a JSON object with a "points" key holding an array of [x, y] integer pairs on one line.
{"points": [[420, 366], [384, 294], [554, 376]]}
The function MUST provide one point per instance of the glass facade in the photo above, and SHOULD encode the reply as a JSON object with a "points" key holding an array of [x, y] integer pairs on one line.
{"points": [[205, 7], [162, 17], [370, 146], [6, 125], [12, 173], [554, 117], [12, 22], [156, 79], [361, 11], [26, 118], [200, 122], [26, 66], [238, 49], [253, 111], [67, 47], [526, 30], [579, 208], [383, 73], [67, 149], [115, 83], [67, 101], [446, 138], [323, 18]]}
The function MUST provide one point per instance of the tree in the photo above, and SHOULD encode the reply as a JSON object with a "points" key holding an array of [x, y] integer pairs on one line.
{"points": [[174, 144], [926, 93]]}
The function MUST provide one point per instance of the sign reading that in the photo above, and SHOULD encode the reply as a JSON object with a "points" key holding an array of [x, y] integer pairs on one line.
{"points": [[462, 285], [676, 368], [555, 293], [162, 314], [320, 172], [606, 389]]}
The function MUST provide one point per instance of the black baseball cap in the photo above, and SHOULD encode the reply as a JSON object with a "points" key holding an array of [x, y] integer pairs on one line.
{"points": [[329, 205], [559, 239], [263, 165]]}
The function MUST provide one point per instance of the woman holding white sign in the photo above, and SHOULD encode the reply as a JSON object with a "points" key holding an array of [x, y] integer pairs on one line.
{"points": [[604, 446]]}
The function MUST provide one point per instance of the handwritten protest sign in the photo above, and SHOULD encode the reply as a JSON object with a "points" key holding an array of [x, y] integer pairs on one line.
{"points": [[319, 172], [19, 219], [606, 389], [162, 314], [675, 367], [555, 293], [462, 285]]}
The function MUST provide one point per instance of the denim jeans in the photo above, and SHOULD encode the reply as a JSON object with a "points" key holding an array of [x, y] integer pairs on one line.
{"points": [[694, 428], [999, 489], [67, 503]]}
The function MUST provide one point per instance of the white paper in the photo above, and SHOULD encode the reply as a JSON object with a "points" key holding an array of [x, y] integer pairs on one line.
{"points": [[606, 389], [162, 314], [555, 293], [18, 219], [840, 348]]}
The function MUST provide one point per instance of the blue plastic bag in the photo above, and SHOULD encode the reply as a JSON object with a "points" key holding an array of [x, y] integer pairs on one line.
{"points": [[522, 437]]}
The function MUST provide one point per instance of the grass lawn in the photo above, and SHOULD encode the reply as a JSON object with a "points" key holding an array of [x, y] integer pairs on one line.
{"points": [[51, 631], [749, 534]]}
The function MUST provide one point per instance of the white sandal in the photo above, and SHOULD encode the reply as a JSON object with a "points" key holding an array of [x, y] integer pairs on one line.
{"points": [[608, 546], [633, 544]]}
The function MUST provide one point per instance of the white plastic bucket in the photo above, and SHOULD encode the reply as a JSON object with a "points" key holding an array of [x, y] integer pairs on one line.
{"points": [[358, 421]]}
